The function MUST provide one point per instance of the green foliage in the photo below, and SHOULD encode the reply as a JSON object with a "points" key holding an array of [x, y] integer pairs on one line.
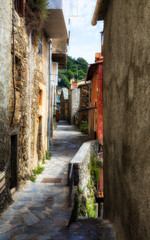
{"points": [[32, 178], [82, 206], [79, 190], [84, 127], [64, 81], [94, 167], [42, 5], [90, 208], [39, 5], [36, 11], [48, 155], [76, 68], [38, 171], [43, 160]]}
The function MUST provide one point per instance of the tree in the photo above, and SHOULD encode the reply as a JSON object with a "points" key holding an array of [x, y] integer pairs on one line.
{"points": [[75, 68]]}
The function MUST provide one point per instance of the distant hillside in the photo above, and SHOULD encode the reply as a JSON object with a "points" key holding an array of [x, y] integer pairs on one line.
{"points": [[76, 68]]}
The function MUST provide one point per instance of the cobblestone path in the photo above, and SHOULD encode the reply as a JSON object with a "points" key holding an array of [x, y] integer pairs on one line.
{"points": [[40, 210], [87, 229]]}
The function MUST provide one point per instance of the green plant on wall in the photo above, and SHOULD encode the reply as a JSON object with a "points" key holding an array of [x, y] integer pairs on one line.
{"points": [[90, 208], [43, 160], [48, 155], [84, 127], [36, 12], [43, 6], [86, 201], [94, 167]]}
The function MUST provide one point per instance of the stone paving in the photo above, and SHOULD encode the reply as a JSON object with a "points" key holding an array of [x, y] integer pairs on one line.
{"points": [[40, 210], [87, 229]]}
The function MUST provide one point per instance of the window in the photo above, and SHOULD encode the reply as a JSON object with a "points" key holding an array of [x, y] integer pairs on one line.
{"points": [[40, 97], [19, 7], [40, 46]]}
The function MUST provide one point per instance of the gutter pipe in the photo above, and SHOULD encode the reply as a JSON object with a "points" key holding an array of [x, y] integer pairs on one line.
{"points": [[96, 13], [13, 65], [49, 118]]}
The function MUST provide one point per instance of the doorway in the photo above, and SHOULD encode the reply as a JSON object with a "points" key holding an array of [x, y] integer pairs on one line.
{"points": [[14, 162]]}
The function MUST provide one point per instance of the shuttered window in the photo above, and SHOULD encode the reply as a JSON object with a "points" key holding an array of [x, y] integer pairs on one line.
{"points": [[19, 7]]}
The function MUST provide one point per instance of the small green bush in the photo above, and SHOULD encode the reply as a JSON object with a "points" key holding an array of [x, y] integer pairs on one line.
{"points": [[38, 171], [43, 160], [36, 12], [90, 208], [48, 155], [32, 178], [95, 168], [84, 127]]}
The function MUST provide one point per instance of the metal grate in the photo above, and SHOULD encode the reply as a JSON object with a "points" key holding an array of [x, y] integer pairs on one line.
{"points": [[51, 180]]}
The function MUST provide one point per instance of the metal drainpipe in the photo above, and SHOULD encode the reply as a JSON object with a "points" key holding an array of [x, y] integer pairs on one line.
{"points": [[13, 65], [49, 118]]}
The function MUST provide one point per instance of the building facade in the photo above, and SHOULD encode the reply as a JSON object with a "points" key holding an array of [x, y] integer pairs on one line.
{"points": [[5, 81], [95, 116], [126, 94]]}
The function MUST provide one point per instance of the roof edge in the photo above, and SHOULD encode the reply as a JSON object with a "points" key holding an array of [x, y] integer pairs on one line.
{"points": [[96, 12], [100, 11]]}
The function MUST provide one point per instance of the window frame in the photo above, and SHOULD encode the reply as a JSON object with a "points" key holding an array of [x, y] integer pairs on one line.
{"points": [[41, 46], [19, 7]]}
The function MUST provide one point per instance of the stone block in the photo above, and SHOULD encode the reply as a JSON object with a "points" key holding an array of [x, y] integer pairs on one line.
{"points": [[30, 219]]}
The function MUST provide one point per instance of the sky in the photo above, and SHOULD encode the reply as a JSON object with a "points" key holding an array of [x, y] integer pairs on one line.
{"points": [[85, 39]]}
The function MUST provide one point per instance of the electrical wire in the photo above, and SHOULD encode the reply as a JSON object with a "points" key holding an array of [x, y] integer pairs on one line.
{"points": [[13, 66]]}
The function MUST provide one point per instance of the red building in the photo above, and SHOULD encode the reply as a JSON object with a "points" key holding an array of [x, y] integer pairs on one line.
{"points": [[94, 74]]}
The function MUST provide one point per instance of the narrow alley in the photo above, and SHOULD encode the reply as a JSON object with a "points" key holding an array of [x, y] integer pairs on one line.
{"points": [[40, 210], [74, 120]]}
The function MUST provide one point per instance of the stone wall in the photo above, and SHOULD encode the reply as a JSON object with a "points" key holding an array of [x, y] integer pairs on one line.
{"points": [[81, 161], [126, 88], [64, 107], [21, 114], [5, 78], [84, 102], [82, 177], [74, 103], [31, 83]]}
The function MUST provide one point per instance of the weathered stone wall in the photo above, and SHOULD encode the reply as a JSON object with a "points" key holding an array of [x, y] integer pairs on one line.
{"points": [[84, 102], [64, 107], [21, 116], [5, 78], [82, 176], [74, 103], [81, 161], [126, 87], [39, 110], [31, 80]]}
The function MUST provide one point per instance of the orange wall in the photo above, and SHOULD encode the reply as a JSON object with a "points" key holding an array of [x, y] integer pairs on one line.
{"points": [[97, 101], [100, 105]]}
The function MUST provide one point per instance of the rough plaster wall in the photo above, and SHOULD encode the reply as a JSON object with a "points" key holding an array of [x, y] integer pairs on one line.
{"points": [[31, 70], [126, 87], [75, 103], [5, 78], [21, 117], [39, 81], [84, 102]]}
